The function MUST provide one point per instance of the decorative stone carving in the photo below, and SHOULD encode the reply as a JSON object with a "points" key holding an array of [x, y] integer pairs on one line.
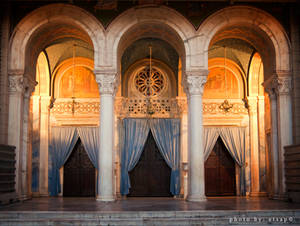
{"points": [[194, 82], [108, 82], [284, 85], [280, 85], [213, 109], [21, 84], [16, 83]]}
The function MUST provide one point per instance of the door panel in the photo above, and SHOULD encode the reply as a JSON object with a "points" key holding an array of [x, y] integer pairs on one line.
{"points": [[220, 172], [151, 176], [79, 174]]}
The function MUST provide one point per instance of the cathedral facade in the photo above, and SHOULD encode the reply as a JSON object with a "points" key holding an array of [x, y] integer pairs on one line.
{"points": [[150, 98]]}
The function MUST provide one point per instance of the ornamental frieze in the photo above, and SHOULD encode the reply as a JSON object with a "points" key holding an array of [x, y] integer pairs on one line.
{"points": [[143, 107]]}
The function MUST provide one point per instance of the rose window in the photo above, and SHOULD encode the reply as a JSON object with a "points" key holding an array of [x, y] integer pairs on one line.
{"points": [[149, 82]]}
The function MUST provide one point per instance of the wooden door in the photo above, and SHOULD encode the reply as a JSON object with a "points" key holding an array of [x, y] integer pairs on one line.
{"points": [[220, 172], [79, 174], [151, 176]]}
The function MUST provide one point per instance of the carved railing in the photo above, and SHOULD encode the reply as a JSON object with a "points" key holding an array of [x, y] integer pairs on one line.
{"points": [[142, 107]]}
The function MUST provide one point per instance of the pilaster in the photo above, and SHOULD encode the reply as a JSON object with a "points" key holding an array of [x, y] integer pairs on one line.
{"points": [[194, 84]]}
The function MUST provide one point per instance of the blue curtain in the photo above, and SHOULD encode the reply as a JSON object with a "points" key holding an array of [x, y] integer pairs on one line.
{"points": [[90, 140], [166, 133], [135, 135], [63, 140], [234, 140]]}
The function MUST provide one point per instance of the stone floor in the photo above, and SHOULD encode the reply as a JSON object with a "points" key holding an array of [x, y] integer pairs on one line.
{"points": [[150, 204]]}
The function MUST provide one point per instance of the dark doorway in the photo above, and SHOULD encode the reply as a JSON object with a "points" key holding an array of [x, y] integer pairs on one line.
{"points": [[151, 176], [220, 172], [79, 174]]}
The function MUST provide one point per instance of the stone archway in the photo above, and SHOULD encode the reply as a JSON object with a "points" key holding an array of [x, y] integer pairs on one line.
{"points": [[267, 35], [27, 41]]}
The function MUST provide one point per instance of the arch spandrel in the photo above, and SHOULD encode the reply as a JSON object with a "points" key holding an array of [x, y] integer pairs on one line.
{"points": [[30, 25], [162, 16], [253, 18]]}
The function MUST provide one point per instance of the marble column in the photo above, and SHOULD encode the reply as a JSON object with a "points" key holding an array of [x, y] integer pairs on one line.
{"points": [[274, 142], [20, 89], [285, 124], [44, 144], [107, 83], [254, 150], [194, 85]]}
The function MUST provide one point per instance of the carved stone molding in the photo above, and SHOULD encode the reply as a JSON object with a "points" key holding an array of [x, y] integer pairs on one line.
{"points": [[194, 82], [210, 108], [108, 81]]}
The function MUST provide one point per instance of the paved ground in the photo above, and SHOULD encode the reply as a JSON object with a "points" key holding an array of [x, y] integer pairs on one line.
{"points": [[150, 204]]}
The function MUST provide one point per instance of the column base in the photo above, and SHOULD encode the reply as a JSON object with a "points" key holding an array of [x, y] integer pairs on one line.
{"points": [[196, 198], [105, 198], [258, 194]]}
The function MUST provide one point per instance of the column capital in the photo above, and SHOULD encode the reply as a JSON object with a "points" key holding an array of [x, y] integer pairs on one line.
{"points": [[20, 84], [107, 80], [194, 82], [283, 85]]}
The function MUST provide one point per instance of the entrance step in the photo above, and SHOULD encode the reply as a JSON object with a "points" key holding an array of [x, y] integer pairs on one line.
{"points": [[262, 217]]}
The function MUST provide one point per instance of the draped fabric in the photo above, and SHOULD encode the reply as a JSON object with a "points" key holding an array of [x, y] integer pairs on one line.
{"points": [[234, 140], [63, 140], [210, 137], [166, 133], [90, 140], [135, 134]]}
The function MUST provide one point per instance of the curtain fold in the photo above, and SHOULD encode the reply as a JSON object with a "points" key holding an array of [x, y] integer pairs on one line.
{"points": [[166, 133], [135, 135], [210, 137], [234, 140], [90, 140], [63, 140]]}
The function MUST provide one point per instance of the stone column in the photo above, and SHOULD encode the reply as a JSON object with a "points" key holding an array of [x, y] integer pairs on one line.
{"points": [[107, 83], [254, 151], [20, 89], [44, 144], [285, 124], [194, 85], [274, 142]]}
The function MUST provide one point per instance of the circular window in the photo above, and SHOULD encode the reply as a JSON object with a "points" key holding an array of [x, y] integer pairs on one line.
{"points": [[149, 83]]}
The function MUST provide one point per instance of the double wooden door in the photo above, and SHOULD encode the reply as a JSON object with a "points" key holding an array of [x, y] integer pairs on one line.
{"points": [[79, 174], [220, 172], [151, 176]]}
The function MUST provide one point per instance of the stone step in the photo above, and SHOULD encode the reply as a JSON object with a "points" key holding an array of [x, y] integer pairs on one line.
{"points": [[265, 217]]}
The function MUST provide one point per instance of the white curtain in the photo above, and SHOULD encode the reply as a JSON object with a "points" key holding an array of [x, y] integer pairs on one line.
{"points": [[90, 140], [234, 140], [166, 133], [63, 140], [210, 136], [135, 134]]}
